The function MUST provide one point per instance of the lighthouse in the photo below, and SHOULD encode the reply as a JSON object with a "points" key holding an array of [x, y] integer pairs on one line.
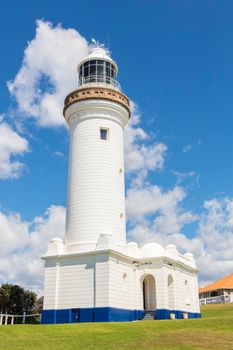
{"points": [[93, 274], [96, 114]]}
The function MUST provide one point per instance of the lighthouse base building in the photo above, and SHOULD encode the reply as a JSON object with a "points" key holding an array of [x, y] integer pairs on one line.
{"points": [[109, 285], [94, 275]]}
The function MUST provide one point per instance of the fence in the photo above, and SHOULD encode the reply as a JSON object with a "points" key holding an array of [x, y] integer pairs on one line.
{"points": [[221, 299], [6, 319]]}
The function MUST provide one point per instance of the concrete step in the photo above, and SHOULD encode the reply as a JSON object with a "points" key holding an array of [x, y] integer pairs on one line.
{"points": [[149, 315]]}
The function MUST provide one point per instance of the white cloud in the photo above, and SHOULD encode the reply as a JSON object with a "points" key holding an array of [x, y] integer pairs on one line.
{"points": [[48, 73], [59, 154], [146, 232], [141, 153], [22, 244], [184, 176], [212, 242], [216, 233], [151, 199], [12, 145], [187, 148], [156, 215]]}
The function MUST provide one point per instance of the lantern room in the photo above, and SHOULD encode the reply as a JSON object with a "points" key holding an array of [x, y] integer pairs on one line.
{"points": [[98, 68]]}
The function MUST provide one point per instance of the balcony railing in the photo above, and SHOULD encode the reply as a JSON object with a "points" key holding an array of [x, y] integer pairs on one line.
{"points": [[220, 299], [99, 80]]}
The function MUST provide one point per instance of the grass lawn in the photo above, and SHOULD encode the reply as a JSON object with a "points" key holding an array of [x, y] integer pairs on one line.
{"points": [[213, 331]]}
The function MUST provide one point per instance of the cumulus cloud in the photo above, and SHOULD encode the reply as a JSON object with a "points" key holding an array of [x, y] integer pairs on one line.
{"points": [[142, 154], [22, 244], [151, 199], [157, 215], [12, 146], [48, 73], [216, 234], [212, 241]]}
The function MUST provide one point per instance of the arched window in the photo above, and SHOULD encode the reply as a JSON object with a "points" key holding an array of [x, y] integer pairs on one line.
{"points": [[171, 293], [125, 281], [187, 300]]}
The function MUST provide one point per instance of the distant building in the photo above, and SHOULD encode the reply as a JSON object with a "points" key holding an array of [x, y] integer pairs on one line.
{"points": [[94, 274], [220, 291]]}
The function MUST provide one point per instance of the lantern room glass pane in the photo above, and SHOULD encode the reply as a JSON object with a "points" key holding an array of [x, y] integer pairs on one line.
{"points": [[107, 72], [93, 62], [100, 73], [93, 70], [86, 71], [100, 70], [100, 62], [92, 73]]}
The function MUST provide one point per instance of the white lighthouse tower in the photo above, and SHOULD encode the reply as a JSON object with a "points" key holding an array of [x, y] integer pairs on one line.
{"points": [[96, 114], [94, 275]]}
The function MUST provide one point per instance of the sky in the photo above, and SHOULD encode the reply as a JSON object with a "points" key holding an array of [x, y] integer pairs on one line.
{"points": [[175, 60]]}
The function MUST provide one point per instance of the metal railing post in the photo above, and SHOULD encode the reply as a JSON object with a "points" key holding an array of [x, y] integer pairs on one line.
{"points": [[6, 319]]}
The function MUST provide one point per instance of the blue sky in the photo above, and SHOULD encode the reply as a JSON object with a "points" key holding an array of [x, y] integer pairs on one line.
{"points": [[175, 62]]}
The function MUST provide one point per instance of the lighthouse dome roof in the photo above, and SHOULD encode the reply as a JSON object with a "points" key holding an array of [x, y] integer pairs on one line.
{"points": [[99, 53], [150, 250]]}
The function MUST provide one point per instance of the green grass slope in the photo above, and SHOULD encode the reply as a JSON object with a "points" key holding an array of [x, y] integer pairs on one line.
{"points": [[213, 331], [218, 310]]}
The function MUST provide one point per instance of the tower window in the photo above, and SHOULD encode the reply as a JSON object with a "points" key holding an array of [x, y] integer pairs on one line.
{"points": [[103, 134]]}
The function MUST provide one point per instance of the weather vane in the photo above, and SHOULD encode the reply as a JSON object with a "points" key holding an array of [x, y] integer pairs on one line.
{"points": [[96, 43]]}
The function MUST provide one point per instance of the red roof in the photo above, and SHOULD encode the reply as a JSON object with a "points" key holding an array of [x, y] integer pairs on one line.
{"points": [[224, 283]]}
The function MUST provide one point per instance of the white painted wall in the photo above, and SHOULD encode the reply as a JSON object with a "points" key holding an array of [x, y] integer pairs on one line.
{"points": [[186, 297], [96, 194], [107, 279], [80, 282], [121, 284], [50, 284]]}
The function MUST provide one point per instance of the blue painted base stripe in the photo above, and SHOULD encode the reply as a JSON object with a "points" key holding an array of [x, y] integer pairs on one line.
{"points": [[164, 314], [106, 314]]}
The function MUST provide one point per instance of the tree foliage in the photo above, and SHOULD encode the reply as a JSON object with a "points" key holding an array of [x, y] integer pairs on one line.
{"points": [[39, 305], [16, 300]]}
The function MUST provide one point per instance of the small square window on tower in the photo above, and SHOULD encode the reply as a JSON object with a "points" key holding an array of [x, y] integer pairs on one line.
{"points": [[103, 134]]}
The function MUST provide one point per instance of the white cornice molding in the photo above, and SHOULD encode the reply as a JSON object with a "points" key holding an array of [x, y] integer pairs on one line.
{"points": [[116, 253]]}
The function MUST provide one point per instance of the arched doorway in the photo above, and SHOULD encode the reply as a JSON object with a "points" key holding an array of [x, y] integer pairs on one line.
{"points": [[149, 293], [171, 293]]}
